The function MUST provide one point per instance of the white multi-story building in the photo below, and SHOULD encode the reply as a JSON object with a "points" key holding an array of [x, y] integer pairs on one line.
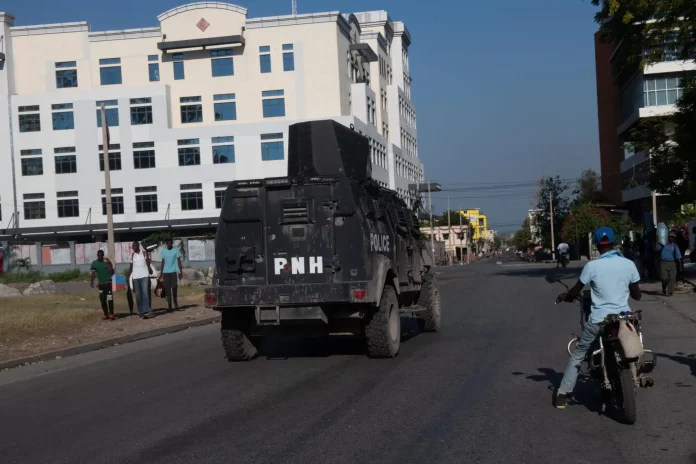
{"points": [[204, 98], [625, 98]]}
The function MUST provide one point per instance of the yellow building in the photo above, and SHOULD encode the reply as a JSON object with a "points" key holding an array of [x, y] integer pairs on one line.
{"points": [[478, 221]]}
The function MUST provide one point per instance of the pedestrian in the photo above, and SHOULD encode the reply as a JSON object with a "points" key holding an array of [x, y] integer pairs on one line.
{"points": [[171, 265], [670, 263], [140, 275], [102, 269]]}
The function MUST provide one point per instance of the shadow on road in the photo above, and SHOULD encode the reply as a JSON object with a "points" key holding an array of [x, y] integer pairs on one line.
{"points": [[682, 358], [286, 347], [586, 392], [537, 272]]}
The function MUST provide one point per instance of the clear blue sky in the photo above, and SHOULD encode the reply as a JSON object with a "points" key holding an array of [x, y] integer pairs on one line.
{"points": [[504, 90]]}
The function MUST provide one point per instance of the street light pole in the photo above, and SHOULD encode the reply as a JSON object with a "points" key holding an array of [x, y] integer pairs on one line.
{"points": [[111, 251], [432, 229], [553, 242]]}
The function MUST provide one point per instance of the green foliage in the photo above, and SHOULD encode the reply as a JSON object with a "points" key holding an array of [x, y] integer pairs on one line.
{"points": [[589, 188], [454, 218], [34, 275], [686, 213], [551, 187], [585, 218], [497, 243], [647, 30], [21, 264], [523, 237]]}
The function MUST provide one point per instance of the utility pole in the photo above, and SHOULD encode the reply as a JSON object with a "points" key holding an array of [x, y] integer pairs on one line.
{"points": [[111, 252], [553, 241], [432, 229], [449, 228], [461, 231], [654, 206]]}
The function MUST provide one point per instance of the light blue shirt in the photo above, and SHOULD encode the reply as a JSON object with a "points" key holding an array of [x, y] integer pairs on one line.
{"points": [[609, 277], [171, 259], [669, 252]]}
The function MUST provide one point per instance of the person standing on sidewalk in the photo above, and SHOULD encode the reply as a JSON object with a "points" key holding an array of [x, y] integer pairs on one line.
{"points": [[670, 263], [102, 269], [171, 265], [140, 274]]}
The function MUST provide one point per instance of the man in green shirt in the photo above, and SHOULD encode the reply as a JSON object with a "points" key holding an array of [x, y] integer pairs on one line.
{"points": [[102, 269]]}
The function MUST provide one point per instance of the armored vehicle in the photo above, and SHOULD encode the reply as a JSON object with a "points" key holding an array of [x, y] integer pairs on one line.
{"points": [[325, 250]]}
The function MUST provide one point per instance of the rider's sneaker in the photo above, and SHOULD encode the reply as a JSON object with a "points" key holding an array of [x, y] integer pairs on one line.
{"points": [[561, 401]]}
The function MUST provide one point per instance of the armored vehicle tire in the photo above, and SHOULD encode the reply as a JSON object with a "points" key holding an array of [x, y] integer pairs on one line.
{"points": [[383, 326], [430, 300], [238, 344]]}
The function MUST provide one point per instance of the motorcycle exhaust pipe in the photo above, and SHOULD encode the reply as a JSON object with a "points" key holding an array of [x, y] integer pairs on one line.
{"points": [[646, 382]]}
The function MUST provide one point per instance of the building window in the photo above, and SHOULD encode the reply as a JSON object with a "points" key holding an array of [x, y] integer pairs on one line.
{"points": [[178, 61], [223, 150], [222, 63], [34, 206], [225, 107], [114, 157], [288, 58], [68, 204], [144, 155], [145, 199], [265, 59], [220, 189], [153, 68], [141, 111], [116, 201], [272, 147], [189, 155], [191, 197], [110, 71], [661, 90], [32, 162], [63, 118], [66, 74], [114, 161], [29, 122], [64, 162], [111, 112], [192, 110], [273, 107]]}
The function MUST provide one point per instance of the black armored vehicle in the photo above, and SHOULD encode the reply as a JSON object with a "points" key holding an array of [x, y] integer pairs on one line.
{"points": [[325, 250]]}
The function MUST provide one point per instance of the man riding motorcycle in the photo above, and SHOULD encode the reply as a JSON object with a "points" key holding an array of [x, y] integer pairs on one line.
{"points": [[612, 278], [563, 251]]}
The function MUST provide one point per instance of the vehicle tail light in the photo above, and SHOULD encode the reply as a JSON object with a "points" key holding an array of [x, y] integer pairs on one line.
{"points": [[359, 294], [210, 299]]}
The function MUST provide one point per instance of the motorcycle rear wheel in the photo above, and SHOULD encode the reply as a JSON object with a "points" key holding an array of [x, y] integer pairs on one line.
{"points": [[626, 396]]}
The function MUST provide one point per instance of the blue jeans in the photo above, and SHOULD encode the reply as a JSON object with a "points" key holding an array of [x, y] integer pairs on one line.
{"points": [[141, 288], [590, 332]]}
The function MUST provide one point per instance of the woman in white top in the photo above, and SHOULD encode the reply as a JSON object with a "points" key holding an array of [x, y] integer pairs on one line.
{"points": [[140, 274]]}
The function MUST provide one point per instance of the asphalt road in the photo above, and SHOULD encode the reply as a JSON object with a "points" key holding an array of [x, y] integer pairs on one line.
{"points": [[479, 391]]}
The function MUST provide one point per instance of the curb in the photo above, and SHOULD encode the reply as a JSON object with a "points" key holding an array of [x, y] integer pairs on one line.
{"points": [[94, 346]]}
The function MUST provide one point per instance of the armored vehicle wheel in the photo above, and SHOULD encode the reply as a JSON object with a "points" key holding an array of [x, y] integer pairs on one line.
{"points": [[236, 341], [383, 326], [430, 300]]}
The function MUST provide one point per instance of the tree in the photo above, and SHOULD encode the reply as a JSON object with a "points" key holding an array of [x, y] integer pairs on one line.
{"points": [[523, 237], [453, 217], [651, 31], [589, 188], [497, 243], [585, 218], [551, 187]]}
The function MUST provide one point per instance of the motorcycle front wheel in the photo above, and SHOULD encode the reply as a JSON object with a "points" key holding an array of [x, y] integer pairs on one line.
{"points": [[626, 395]]}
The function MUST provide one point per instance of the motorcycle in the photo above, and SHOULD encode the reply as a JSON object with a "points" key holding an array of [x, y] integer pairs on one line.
{"points": [[618, 374], [564, 259]]}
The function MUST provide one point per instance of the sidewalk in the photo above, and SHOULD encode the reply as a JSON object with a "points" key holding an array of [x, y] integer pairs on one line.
{"points": [[684, 299], [44, 327]]}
